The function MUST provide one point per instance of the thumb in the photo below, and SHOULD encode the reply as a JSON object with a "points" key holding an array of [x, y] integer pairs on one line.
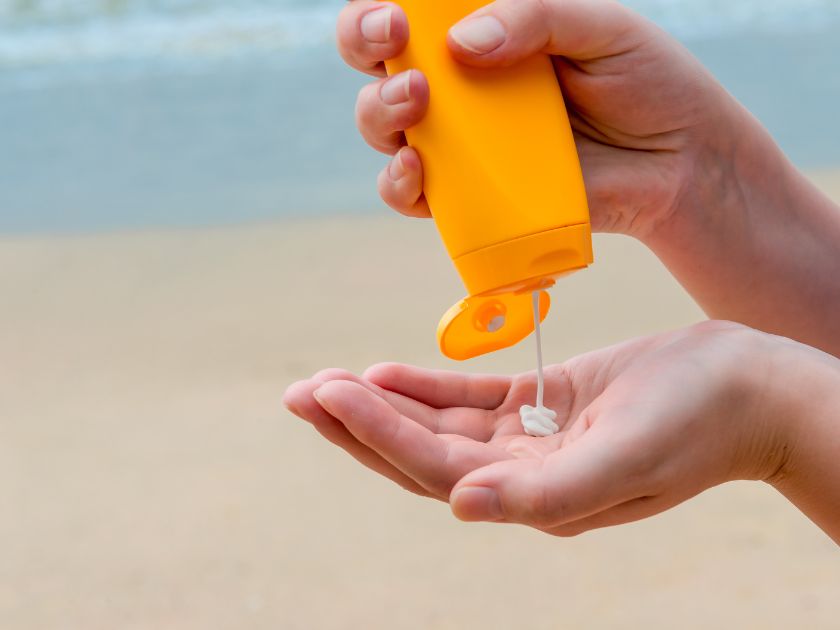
{"points": [[590, 475], [507, 31]]}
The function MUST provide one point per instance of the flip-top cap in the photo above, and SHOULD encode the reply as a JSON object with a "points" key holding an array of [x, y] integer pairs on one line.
{"points": [[478, 325]]}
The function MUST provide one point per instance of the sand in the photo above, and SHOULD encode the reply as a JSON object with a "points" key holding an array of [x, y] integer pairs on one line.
{"points": [[150, 479]]}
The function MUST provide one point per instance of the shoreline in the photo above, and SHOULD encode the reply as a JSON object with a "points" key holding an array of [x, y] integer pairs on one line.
{"points": [[826, 178], [183, 145]]}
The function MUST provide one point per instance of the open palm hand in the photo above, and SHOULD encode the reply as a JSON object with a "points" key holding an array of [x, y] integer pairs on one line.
{"points": [[644, 426]]}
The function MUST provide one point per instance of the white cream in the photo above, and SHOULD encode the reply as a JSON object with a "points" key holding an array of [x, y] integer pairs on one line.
{"points": [[538, 421]]}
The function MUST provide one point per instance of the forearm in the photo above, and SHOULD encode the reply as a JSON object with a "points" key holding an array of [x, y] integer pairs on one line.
{"points": [[753, 241], [807, 403]]}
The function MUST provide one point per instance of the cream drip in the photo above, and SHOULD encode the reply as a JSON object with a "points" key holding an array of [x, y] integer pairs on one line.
{"points": [[538, 421]]}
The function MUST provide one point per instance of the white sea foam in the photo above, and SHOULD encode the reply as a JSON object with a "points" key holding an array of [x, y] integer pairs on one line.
{"points": [[695, 19], [66, 32], [44, 32]]}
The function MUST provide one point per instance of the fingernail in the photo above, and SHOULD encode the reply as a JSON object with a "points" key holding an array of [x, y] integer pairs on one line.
{"points": [[376, 26], [317, 395], [397, 89], [477, 504], [479, 35], [396, 170]]}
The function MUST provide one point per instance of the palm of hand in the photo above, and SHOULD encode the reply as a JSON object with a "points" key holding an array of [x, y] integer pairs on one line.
{"points": [[441, 428], [624, 435], [499, 430], [434, 428]]}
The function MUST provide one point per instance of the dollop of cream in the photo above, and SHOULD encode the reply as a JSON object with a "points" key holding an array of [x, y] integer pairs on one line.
{"points": [[538, 421]]}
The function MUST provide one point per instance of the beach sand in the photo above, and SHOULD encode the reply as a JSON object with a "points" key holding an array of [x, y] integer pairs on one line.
{"points": [[150, 479]]}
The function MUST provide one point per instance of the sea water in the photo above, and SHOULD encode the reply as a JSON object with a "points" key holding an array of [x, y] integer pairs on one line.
{"points": [[135, 113]]}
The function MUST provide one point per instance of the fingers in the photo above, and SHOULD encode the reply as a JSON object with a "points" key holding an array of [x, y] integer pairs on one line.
{"points": [[462, 417], [299, 400], [435, 462], [425, 415], [369, 33], [476, 424], [383, 111], [386, 108], [507, 31], [401, 184], [585, 478], [441, 389]]}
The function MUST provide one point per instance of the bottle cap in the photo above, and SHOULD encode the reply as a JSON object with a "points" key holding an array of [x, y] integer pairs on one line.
{"points": [[481, 324]]}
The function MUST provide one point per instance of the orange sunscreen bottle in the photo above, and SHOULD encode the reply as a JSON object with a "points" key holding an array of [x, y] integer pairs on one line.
{"points": [[502, 178]]}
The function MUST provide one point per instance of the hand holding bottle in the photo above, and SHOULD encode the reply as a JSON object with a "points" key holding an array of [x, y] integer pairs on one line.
{"points": [[668, 156]]}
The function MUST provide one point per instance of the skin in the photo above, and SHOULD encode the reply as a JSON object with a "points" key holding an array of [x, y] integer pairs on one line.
{"points": [[645, 425], [672, 160], [669, 157]]}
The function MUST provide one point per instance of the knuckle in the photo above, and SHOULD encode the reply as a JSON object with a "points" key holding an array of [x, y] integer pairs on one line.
{"points": [[401, 117], [413, 487], [533, 505], [347, 35], [346, 42], [567, 531], [387, 190], [385, 369], [334, 374], [539, 9], [368, 106], [394, 201], [379, 122], [717, 326], [402, 195], [376, 126]]}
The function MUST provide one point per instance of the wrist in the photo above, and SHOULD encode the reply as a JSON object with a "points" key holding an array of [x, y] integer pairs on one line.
{"points": [[731, 170], [807, 410], [778, 389], [762, 432], [732, 220], [803, 393]]}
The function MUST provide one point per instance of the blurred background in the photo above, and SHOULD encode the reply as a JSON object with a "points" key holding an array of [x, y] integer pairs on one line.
{"points": [[187, 216]]}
